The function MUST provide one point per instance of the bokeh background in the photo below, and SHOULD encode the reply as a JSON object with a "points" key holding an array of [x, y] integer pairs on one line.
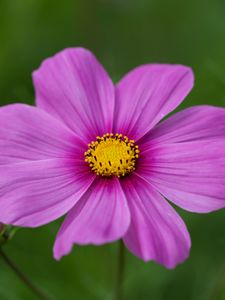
{"points": [[123, 34]]}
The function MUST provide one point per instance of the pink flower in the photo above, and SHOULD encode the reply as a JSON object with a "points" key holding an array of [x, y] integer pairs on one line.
{"points": [[114, 187]]}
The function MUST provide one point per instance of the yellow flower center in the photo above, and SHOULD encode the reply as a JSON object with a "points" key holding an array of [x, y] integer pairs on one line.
{"points": [[112, 155]]}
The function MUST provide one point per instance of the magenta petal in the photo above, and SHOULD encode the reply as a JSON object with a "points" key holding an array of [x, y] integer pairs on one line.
{"points": [[75, 88], [42, 168], [190, 174], [33, 193], [101, 216], [28, 133], [191, 124], [183, 157], [147, 94], [156, 231]]}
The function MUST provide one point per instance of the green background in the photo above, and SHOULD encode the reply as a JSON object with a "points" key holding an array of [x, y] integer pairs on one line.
{"points": [[123, 34]]}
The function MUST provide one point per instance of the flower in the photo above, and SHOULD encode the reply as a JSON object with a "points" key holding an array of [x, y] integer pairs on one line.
{"points": [[100, 154]]}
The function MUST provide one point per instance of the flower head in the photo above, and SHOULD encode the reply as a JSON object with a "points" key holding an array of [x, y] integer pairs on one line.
{"points": [[99, 153], [112, 155]]}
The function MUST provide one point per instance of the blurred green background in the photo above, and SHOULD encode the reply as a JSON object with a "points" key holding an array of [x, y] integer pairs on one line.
{"points": [[123, 34]]}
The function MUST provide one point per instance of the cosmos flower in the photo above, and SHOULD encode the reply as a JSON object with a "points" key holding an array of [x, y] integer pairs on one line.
{"points": [[101, 154]]}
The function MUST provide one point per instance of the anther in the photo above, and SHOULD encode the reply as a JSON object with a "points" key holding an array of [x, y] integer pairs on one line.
{"points": [[112, 155]]}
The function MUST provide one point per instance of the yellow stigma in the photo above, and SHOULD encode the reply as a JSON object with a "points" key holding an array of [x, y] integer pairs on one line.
{"points": [[112, 155]]}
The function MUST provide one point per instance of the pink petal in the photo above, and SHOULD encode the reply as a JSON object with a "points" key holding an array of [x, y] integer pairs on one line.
{"points": [[28, 133], [75, 88], [156, 231], [42, 169], [34, 193], [184, 158], [101, 216], [147, 94], [190, 174], [191, 124]]}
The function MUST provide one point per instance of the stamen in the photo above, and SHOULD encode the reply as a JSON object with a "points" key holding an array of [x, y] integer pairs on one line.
{"points": [[112, 155]]}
